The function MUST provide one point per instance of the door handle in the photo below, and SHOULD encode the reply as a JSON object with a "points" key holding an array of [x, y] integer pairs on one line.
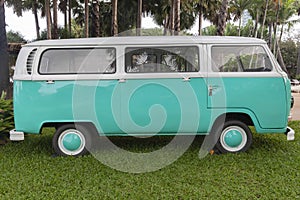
{"points": [[211, 88]]}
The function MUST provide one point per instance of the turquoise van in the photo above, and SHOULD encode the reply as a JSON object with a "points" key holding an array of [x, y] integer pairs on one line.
{"points": [[145, 86]]}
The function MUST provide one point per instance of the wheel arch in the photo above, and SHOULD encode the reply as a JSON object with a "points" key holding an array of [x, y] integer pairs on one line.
{"points": [[248, 119], [58, 124]]}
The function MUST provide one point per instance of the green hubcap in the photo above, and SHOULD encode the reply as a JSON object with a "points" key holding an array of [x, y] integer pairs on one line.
{"points": [[233, 138], [71, 141]]}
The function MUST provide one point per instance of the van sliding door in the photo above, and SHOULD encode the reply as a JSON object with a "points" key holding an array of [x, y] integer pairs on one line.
{"points": [[162, 91]]}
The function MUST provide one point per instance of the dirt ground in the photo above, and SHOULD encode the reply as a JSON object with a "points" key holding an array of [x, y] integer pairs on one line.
{"points": [[296, 109]]}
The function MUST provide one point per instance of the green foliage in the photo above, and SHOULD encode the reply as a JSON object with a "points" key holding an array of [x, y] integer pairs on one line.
{"points": [[160, 11], [6, 115], [152, 32], [289, 51], [15, 37], [231, 30], [62, 34], [248, 30], [210, 30]]}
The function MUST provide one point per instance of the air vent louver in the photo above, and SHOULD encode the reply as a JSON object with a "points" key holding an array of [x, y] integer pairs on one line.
{"points": [[29, 62]]}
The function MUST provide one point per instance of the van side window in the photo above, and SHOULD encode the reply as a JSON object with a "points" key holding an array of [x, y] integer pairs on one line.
{"points": [[240, 59], [161, 60], [78, 61]]}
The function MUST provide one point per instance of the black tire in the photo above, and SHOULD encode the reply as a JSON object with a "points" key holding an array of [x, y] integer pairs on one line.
{"points": [[72, 140], [233, 136]]}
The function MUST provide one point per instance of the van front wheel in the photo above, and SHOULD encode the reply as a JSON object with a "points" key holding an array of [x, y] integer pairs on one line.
{"points": [[71, 140], [234, 136]]}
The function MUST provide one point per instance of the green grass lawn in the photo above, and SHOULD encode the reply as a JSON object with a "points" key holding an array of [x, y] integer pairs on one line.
{"points": [[269, 170]]}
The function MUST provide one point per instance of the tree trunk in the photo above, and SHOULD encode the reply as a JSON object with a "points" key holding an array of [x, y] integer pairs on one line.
{"points": [[114, 17], [166, 24], [48, 18], [270, 36], [200, 21], [139, 18], [95, 32], [86, 18], [171, 23], [256, 24], [4, 70], [279, 40], [298, 63], [36, 18], [281, 32], [55, 31], [264, 20], [70, 17], [222, 18], [280, 60], [240, 23], [177, 18], [275, 30], [64, 10], [275, 40]]}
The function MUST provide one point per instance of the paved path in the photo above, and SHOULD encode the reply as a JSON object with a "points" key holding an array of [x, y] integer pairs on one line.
{"points": [[296, 108]]}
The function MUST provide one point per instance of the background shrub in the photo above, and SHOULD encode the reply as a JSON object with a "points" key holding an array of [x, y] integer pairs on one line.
{"points": [[6, 116]]}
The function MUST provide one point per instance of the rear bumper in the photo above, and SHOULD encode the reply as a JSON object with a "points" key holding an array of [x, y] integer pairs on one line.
{"points": [[290, 134], [16, 135]]}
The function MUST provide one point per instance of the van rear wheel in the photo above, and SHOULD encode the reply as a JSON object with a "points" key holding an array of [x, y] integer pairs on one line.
{"points": [[72, 140], [234, 136]]}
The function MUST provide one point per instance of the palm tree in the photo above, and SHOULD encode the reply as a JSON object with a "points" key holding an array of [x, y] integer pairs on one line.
{"points": [[4, 71], [255, 10], [48, 18], [20, 6], [161, 11], [35, 7], [222, 18], [177, 17], [70, 17], [171, 18], [114, 17], [63, 7], [95, 26], [284, 10], [139, 17], [55, 31], [264, 19], [86, 18], [164, 14], [201, 7], [237, 8], [206, 10]]}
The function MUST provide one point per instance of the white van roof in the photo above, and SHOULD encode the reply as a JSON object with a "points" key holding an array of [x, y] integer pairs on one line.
{"points": [[147, 40]]}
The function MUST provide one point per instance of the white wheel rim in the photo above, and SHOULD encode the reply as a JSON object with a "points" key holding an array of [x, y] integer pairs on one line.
{"points": [[75, 133], [235, 129]]}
